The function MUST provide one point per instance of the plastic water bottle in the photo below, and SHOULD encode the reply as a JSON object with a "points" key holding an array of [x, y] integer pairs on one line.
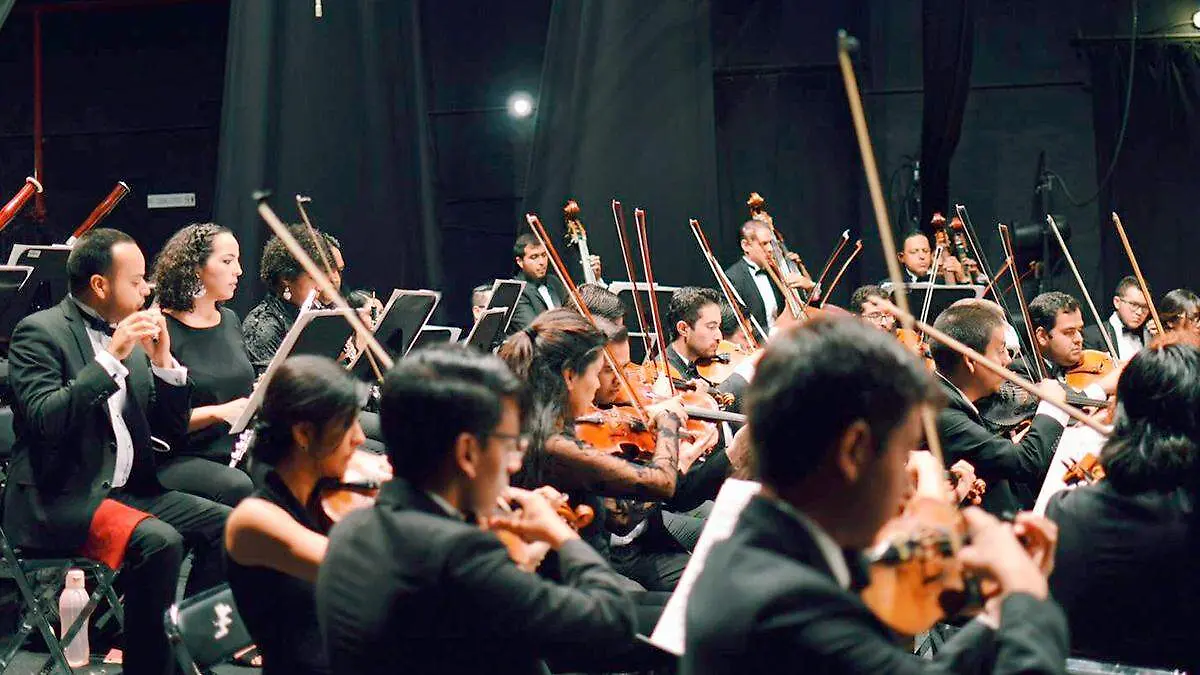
{"points": [[70, 605]]}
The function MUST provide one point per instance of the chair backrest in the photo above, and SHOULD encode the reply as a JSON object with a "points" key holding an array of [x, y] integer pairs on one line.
{"points": [[206, 629], [7, 436]]}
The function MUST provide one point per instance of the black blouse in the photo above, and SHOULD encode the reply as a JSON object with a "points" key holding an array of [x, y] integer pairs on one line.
{"points": [[265, 327], [280, 611], [219, 371]]}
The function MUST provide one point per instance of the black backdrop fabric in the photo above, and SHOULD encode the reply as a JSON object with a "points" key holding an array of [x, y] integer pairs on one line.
{"points": [[331, 108], [947, 46], [626, 112], [1157, 174]]}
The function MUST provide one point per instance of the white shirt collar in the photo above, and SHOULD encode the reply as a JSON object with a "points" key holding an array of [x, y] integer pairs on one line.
{"points": [[825, 543], [953, 386], [446, 506], [754, 269]]}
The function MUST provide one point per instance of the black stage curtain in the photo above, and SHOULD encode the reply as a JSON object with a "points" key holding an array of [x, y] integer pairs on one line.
{"points": [[332, 108], [626, 111], [947, 46], [1157, 174]]}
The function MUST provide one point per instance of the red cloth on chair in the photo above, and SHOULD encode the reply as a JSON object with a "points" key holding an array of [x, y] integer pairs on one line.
{"points": [[112, 526]]}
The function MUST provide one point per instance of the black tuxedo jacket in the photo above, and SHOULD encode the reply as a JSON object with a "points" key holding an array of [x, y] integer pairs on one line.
{"points": [[405, 588], [999, 461], [530, 303], [1092, 339], [767, 603], [1124, 574], [743, 282], [65, 450]]}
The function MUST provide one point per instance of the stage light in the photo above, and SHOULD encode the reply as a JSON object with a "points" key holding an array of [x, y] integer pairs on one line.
{"points": [[520, 105], [1196, 19]]}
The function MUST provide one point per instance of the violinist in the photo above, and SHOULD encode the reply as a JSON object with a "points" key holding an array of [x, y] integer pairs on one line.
{"points": [[543, 290], [307, 431], [1058, 330], [603, 303], [780, 594], [1010, 469], [1128, 326], [693, 324], [731, 330], [1180, 311], [750, 279], [1124, 572], [862, 305], [916, 256], [409, 586]]}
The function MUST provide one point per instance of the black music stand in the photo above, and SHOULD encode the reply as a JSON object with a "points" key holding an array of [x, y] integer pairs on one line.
{"points": [[46, 283], [505, 293], [435, 335], [488, 328], [405, 314], [624, 291]]}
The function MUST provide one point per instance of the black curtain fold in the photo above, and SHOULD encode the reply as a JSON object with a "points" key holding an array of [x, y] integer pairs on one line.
{"points": [[1157, 173], [626, 111], [947, 48], [332, 108]]}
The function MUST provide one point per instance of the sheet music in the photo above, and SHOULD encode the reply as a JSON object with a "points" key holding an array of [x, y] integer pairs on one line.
{"points": [[1072, 446], [35, 251], [735, 494]]}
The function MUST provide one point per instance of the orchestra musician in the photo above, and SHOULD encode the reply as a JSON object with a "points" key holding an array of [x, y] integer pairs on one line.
{"points": [[1128, 326], [93, 378], [1180, 311], [543, 290], [693, 324], [197, 270], [916, 256], [862, 304], [409, 586], [481, 295], [307, 431], [782, 588], [1012, 470], [749, 278], [1134, 522], [603, 303], [1058, 330]]}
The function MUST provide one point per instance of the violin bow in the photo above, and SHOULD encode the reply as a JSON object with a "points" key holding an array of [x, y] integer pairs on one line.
{"points": [[730, 293], [838, 277], [887, 240], [18, 201], [1062, 244], [101, 211], [817, 288], [280, 229], [1006, 241], [992, 283], [301, 200], [627, 257], [560, 269], [933, 272], [1075, 413], [1137, 272], [790, 297], [639, 223]]}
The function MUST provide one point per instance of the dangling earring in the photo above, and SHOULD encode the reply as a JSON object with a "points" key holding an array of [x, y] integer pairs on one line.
{"points": [[199, 293], [287, 292]]}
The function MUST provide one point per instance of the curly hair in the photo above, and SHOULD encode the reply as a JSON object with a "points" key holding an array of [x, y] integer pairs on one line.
{"points": [[278, 266], [177, 267]]}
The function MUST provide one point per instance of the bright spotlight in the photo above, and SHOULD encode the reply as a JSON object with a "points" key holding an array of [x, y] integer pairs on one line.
{"points": [[1196, 19], [520, 105]]}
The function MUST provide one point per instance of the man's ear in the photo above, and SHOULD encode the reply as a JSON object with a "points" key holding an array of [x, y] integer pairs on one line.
{"points": [[681, 327], [970, 365], [467, 454], [99, 285], [853, 451]]}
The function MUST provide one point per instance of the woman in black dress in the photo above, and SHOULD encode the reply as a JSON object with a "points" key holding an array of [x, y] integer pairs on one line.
{"points": [[307, 431], [197, 271]]}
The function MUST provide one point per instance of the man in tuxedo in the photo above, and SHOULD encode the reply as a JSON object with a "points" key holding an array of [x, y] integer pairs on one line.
{"points": [[1127, 327], [542, 291], [693, 324], [1058, 331], [748, 276], [1010, 469], [782, 589], [916, 256], [92, 377], [414, 585], [863, 303]]}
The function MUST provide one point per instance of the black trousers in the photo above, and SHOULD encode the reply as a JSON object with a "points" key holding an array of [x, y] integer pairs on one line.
{"points": [[150, 573], [206, 478]]}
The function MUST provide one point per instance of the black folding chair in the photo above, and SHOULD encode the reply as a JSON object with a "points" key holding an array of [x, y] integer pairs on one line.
{"points": [[206, 630], [39, 580]]}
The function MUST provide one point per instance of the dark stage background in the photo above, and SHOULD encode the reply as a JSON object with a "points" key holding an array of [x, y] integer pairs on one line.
{"points": [[391, 115]]}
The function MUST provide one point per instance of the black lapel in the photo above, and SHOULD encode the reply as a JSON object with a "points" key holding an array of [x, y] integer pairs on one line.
{"points": [[78, 329]]}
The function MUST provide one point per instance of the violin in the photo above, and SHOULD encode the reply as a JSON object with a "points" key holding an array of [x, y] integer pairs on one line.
{"points": [[717, 368], [1087, 470], [528, 556], [357, 488], [915, 342], [1094, 365], [617, 432]]}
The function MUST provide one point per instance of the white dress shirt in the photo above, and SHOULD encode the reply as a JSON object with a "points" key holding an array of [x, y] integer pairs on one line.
{"points": [[544, 291], [175, 376], [763, 283], [1127, 345]]}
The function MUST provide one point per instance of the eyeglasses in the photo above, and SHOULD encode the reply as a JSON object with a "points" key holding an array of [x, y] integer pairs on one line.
{"points": [[877, 317], [1139, 307], [518, 443]]}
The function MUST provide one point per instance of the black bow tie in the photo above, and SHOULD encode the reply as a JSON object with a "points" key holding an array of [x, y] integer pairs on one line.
{"points": [[1132, 332], [97, 324]]}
